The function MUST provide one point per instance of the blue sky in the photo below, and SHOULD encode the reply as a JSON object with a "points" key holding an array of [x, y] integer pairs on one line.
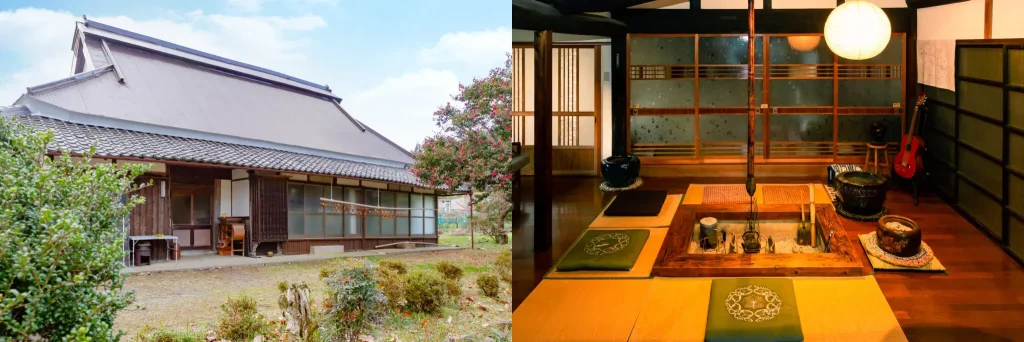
{"points": [[393, 62]]}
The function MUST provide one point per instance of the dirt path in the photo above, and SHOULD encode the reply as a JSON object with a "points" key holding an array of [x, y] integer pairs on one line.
{"points": [[193, 298]]}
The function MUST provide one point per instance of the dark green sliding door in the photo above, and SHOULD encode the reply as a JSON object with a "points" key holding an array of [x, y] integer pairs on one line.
{"points": [[975, 139]]}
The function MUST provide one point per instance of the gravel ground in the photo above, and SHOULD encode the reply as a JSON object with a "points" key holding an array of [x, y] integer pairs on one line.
{"points": [[191, 299]]}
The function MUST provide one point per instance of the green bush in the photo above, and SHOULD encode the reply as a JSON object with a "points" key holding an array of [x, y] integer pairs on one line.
{"points": [[426, 291], [61, 244], [449, 270], [398, 266], [354, 300], [392, 284], [162, 334], [240, 320], [454, 289], [503, 265], [489, 284]]}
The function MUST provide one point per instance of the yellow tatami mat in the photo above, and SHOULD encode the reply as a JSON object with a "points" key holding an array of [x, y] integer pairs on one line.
{"points": [[695, 194], [663, 220], [580, 310], [675, 309], [641, 269], [831, 309]]}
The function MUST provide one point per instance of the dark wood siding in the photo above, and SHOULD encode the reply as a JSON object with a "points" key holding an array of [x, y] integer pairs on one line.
{"points": [[269, 210], [303, 246], [153, 216]]}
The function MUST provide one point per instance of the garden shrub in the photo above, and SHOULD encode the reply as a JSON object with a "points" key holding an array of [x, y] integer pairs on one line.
{"points": [[354, 300], [425, 291], [241, 321], [398, 266], [489, 284], [454, 289], [503, 265], [392, 284], [61, 244], [449, 270], [162, 334]]}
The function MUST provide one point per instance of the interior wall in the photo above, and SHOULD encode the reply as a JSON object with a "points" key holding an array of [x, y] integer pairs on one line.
{"points": [[939, 27], [1006, 19]]}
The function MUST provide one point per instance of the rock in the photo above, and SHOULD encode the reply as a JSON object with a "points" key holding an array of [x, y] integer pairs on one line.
{"points": [[258, 338]]}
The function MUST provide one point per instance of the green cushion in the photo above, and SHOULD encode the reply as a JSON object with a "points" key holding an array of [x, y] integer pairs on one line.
{"points": [[605, 250], [762, 310]]}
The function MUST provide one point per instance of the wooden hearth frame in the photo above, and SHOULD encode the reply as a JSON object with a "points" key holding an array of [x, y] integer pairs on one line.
{"points": [[674, 260]]}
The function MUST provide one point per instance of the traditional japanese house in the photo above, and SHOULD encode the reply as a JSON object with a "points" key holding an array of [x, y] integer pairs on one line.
{"points": [[229, 139], [720, 99]]}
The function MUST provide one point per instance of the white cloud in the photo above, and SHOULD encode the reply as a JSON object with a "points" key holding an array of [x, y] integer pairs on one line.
{"points": [[480, 49], [246, 5], [401, 108], [39, 41]]}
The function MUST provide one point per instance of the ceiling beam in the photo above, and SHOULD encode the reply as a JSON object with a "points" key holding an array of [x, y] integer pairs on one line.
{"points": [[930, 3], [537, 16], [582, 6]]}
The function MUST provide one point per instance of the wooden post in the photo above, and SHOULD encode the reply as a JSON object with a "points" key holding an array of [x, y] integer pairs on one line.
{"points": [[472, 239], [542, 43], [751, 187]]}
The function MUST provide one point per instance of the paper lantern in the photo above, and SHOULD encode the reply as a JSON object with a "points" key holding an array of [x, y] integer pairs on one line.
{"points": [[857, 30], [803, 43]]}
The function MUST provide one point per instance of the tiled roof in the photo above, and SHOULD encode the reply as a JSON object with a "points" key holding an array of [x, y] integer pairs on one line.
{"points": [[114, 143]]}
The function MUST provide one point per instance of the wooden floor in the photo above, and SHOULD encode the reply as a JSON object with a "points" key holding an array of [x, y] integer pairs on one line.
{"points": [[981, 299]]}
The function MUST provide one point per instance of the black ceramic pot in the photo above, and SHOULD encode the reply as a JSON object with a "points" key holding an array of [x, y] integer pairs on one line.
{"points": [[877, 132], [620, 171], [862, 193]]}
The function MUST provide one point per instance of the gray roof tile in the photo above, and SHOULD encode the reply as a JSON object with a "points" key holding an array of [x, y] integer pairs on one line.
{"points": [[114, 142]]}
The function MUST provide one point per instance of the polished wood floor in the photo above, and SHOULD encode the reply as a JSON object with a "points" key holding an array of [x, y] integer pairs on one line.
{"points": [[981, 299]]}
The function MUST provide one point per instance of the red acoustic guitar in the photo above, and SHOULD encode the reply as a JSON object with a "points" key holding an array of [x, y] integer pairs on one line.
{"points": [[909, 159]]}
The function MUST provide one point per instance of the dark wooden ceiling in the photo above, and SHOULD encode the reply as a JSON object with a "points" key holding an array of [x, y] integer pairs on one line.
{"points": [[571, 16]]}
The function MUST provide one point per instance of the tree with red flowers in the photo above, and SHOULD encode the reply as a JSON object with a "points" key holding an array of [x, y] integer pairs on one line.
{"points": [[473, 149]]}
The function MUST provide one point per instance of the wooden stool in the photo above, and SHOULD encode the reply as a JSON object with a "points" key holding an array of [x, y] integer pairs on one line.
{"points": [[868, 164]]}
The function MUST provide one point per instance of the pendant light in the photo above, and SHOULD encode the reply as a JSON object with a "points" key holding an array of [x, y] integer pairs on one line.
{"points": [[857, 30], [803, 43]]}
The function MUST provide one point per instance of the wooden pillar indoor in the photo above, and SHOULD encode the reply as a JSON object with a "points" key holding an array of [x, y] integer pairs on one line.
{"points": [[620, 103], [542, 206]]}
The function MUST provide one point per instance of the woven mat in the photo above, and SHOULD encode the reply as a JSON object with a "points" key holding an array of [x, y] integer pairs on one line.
{"points": [[883, 261], [786, 194], [636, 184], [726, 194]]}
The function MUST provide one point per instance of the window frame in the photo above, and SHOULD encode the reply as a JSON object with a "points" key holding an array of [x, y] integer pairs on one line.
{"points": [[191, 194], [363, 194]]}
